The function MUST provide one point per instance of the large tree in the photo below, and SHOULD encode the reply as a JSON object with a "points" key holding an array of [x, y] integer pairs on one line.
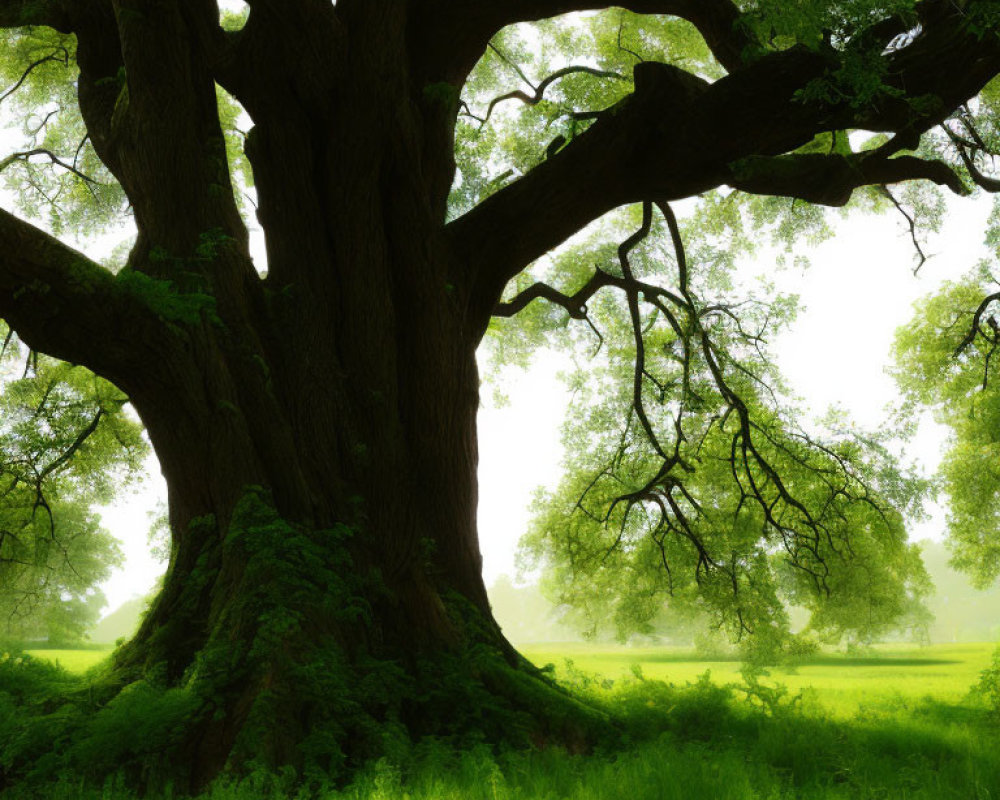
{"points": [[317, 426]]}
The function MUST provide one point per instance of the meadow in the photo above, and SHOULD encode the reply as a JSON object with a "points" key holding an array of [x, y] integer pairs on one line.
{"points": [[897, 722], [841, 684]]}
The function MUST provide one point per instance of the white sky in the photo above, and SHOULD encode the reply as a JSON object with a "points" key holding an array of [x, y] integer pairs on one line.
{"points": [[858, 290]]}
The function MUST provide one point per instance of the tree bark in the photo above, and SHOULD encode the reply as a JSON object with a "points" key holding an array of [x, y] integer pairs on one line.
{"points": [[275, 503], [317, 429]]}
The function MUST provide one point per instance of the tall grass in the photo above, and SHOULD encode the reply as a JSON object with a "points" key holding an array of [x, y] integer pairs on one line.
{"points": [[694, 740]]}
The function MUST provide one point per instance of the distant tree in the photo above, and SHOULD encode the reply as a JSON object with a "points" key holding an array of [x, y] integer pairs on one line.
{"points": [[413, 162], [66, 444], [960, 612], [947, 360], [121, 623], [525, 614]]}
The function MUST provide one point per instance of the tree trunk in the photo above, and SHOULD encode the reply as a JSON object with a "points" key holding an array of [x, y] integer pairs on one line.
{"points": [[323, 507], [316, 428], [317, 432]]}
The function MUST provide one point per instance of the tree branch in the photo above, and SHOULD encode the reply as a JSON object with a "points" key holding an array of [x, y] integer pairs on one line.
{"points": [[41, 151], [576, 303], [537, 97], [61, 303], [830, 180], [976, 329], [984, 182], [50, 13], [61, 56], [472, 23], [678, 136]]}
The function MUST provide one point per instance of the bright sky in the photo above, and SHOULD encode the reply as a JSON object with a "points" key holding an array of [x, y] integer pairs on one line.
{"points": [[858, 290]]}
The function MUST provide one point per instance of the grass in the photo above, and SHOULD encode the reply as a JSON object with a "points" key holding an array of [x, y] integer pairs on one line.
{"points": [[843, 685], [75, 661], [897, 724]]}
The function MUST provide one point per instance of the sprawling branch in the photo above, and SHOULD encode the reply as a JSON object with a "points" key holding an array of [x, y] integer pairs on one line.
{"points": [[62, 303], [51, 13], [700, 399], [677, 136], [470, 24]]}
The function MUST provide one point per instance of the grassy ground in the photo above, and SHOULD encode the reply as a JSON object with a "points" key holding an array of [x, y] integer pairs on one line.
{"points": [[897, 724], [72, 660], [843, 685]]}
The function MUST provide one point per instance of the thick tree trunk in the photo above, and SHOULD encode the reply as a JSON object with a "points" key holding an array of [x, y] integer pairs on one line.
{"points": [[317, 431], [323, 514], [317, 428]]}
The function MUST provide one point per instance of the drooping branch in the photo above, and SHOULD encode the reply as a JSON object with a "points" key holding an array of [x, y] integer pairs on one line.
{"points": [[61, 303], [911, 224], [799, 491]]}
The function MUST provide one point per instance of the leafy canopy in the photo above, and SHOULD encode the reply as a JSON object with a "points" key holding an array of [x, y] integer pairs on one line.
{"points": [[67, 444]]}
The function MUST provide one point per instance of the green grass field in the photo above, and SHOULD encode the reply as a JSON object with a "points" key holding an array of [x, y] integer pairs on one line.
{"points": [[897, 724], [842, 684], [72, 660]]}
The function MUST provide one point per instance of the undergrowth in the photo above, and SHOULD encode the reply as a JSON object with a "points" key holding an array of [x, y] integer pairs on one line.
{"points": [[750, 739]]}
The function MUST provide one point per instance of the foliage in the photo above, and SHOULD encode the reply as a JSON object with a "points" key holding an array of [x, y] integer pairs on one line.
{"points": [[67, 443], [71, 188], [945, 357], [989, 683], [701, 489], [961, 612], [840, 685], [121, 623], [690, 482]]}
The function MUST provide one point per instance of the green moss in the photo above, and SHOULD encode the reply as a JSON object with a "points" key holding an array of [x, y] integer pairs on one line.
{"points": [[166, 300], [185, 297], [298, 647]]}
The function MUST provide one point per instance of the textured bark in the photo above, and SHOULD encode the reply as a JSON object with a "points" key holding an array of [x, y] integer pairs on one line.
{"points": [[344, 384]]}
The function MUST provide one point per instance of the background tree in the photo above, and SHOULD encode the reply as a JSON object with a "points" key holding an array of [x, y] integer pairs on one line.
{"points": [[316, 427], [945, 358], [66, 446]]}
